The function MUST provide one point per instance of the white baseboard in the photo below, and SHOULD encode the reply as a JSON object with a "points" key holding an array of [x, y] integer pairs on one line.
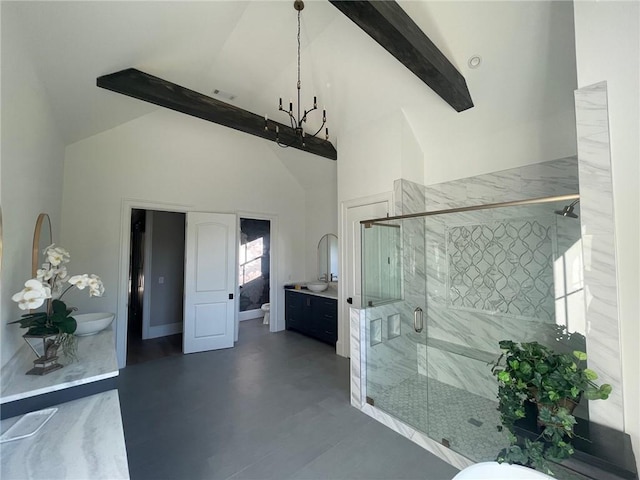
{"points": [[250, 315], [164, 330]]}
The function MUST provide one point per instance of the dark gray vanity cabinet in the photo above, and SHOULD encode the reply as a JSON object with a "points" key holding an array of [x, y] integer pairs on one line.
{"points": [[312, 315]]}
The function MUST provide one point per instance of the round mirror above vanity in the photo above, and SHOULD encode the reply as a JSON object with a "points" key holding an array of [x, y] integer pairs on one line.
{"points": [[42, 238], [328, 258]]}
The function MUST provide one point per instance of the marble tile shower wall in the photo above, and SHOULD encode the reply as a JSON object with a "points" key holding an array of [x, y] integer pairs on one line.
{"points": [[556, 177], [495, 313], [480, 329], [505, 312], [426, 279], [598, 230]]}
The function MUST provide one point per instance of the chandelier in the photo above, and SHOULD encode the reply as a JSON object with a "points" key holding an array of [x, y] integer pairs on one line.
{"points": [[297, 121]]}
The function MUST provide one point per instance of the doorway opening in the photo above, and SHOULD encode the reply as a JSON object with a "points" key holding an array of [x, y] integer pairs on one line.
{"points": [[156, 285], [254, 275]]}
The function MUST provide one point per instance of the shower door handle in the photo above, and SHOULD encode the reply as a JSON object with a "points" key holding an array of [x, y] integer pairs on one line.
{"points": [[418, 323]]}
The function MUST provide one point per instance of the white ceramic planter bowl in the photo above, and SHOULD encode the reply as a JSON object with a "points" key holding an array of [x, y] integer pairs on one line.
{"points": [[500, 471], [317, 286], [92, 323]]}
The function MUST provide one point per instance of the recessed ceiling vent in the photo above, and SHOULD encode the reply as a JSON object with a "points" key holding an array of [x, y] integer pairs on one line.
{"points": [[225, 95]]}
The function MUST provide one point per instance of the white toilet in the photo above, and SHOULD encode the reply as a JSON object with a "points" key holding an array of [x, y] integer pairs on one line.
{"points": [[265, 308], [500, 471]]}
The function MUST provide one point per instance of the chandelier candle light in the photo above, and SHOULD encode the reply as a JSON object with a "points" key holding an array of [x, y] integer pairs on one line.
{"points": [[297, 121]]}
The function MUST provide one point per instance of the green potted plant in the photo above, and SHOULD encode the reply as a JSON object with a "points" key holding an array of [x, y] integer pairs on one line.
{"points": [[554, 383], [55, 325]]}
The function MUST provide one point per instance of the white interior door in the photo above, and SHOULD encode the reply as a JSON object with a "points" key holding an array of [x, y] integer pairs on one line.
{"points": [[352, 267], [210, 282]]}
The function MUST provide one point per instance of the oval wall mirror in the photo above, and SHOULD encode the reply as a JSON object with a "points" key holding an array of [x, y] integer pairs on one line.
{"points": [[42, 238], [328, 258]]}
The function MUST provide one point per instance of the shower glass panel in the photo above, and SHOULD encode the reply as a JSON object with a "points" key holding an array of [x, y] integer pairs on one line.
{"points": [[473, 278], [382, 280], [393, 287]]}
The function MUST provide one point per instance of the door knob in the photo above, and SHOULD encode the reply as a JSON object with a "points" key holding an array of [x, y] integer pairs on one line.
{"points": [[350, 301]]}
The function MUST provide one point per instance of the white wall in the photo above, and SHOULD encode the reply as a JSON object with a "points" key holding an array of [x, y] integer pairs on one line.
{"points": [[318, 178], [322, 217], [172, 158], [32, 162], [369, 158], [608, 48]]}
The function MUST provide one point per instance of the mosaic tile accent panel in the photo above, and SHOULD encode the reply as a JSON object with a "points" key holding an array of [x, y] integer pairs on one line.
{"points": [[502, 267]]}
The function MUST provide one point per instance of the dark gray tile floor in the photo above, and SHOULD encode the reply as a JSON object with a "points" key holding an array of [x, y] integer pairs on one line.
{"points": [[140, 351], [274, 407]]}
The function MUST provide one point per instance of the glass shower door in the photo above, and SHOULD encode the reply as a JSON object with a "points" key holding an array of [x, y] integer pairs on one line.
{"points": [[442, 290], [394, 295], [492, 275]]}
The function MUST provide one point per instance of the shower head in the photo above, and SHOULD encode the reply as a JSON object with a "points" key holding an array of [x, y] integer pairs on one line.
{"points": [[567, 211]]}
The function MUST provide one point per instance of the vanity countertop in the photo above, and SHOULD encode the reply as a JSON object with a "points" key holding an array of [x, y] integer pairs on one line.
{"points": [[96, 361], [83, 439], [330, 292]]}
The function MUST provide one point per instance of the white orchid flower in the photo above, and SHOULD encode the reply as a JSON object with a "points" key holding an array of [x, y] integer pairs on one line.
{"points": [[56, 255], [96, 287], [60, 279], [33, 295], [80, 281], [45, 273], [61, 272]]}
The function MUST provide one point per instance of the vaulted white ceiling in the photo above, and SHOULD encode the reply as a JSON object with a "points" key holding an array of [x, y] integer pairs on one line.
{"points": [[249, 49]]}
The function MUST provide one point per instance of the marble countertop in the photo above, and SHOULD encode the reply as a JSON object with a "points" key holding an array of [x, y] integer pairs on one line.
{"points": [[331, 292], [83, 440], [96, 361]]}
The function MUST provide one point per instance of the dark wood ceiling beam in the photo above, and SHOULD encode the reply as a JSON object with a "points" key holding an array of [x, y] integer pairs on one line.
{"points": [[140, 85], [388, 24]]}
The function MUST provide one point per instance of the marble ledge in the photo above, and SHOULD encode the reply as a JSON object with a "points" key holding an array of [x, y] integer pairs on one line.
{"points": [[96, 361], [462, 350], [331, 292], [83, 439]]}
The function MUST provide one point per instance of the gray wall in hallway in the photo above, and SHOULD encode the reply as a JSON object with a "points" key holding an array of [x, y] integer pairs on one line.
{"points": [[167, 261]]}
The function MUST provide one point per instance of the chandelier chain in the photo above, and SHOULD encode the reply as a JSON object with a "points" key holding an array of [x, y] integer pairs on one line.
{"points": [[298, 50]]}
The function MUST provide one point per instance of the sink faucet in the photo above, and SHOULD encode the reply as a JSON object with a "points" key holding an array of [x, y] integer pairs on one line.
{"points": [[323, 277], [334, 277]]}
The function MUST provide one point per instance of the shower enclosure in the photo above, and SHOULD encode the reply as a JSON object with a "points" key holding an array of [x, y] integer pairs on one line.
{"points": [[441, 289]]}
